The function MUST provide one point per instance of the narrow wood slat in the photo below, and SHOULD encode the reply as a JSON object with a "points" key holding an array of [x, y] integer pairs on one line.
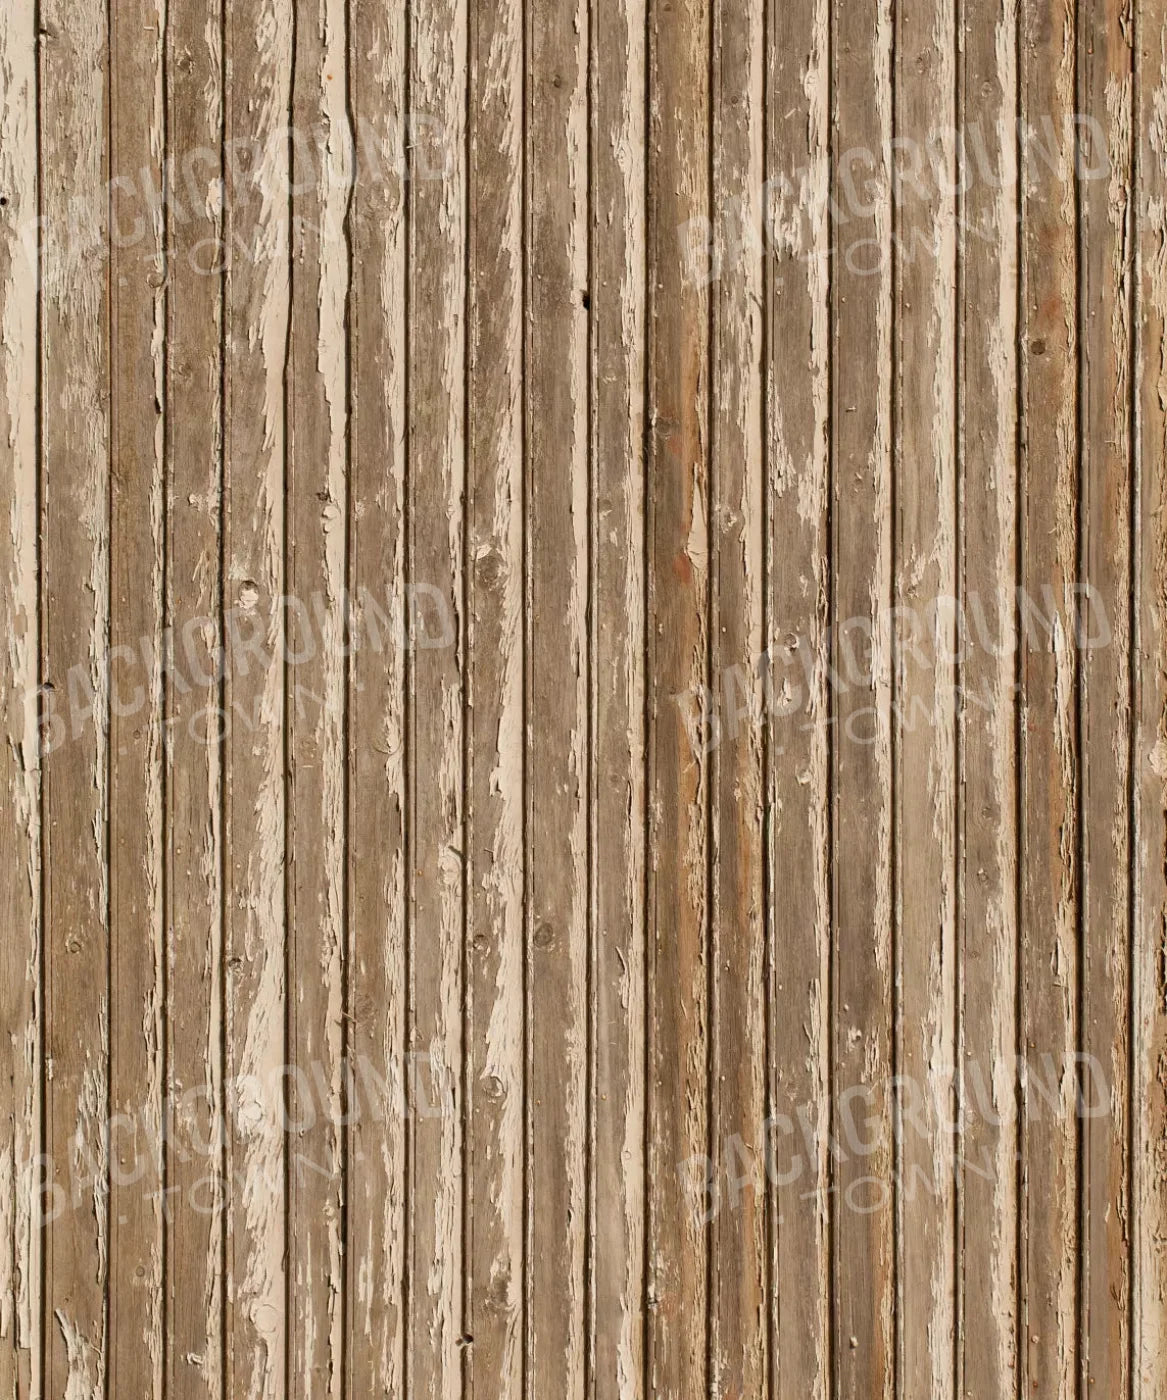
{"points": [[925, 648], [1149, 643], [1103, 624], [436, 512], [378, 1184], [617, 797], [1050, 750], [495, 769], [678, 662], [739, 1353], [798, 358], [137, 273], [313, 621], [862, 851], [259, 58], [74, 526], [987, 856], [21, 1071], [194, 1182], [558, 516]]}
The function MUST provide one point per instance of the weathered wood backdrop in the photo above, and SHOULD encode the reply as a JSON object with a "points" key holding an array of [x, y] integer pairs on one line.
{"points": [[585, 698]]}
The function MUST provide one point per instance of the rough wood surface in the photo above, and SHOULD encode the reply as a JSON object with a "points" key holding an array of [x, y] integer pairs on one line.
{"points": [[583, 781]]}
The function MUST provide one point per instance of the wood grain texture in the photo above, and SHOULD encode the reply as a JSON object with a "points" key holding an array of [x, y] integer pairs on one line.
{"points": [[678, 664], [74, 526], [1050, 715], [435, 506], [988, 925], [738, 1349], [21, 1069], [1149, 673], [583, 783], [797, 223], [498, 1073], [258, 181], [137, 278], [377, 1182], [924, 659], [617, 796], [862, 1009], [557, 490]]}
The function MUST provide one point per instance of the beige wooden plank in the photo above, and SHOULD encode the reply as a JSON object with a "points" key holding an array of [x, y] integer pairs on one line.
{"points": [[138, 426], [495, 844], [618, 795], [377, 852], [924, 643], [678, 658], [21, 1071], [74, 350], [861, 545], [1049, 824], [1104, 99], [557, 522], [987, 927], [194, 1185], [315, 696], [436, 467], [259, 75], [739, 1351], [798, 351], [1149, 643]]}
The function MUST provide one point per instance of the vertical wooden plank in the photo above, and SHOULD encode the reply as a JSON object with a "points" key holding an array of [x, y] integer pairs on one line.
{"points": [[137, 418], [678, 663], [313, 621], [377, 850], [618, 795], [1149, 646], [987, 925], [1105, 79], [495, 573], [558, 516], [862, 970], [738, 1075], [194, 1186], [1049, 750], [798, 738], [924, 657], [74, 524], [21, 1070], [259, 70], [436, 513]]}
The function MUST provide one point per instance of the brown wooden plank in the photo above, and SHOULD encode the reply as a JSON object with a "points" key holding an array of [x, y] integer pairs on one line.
{"points": [[74, 525], [987, 925], [316, 506], [21, 1071], [259, 56], [558, 521], [739, 1351], [194, 1185], [1050, 751], [678, 663], [861, 442], [436, 513], [924, 659], [138, 426], [1149, 644], [798, 352], [1106, 231], [617, 798], [377, 850], [495, 815]]}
